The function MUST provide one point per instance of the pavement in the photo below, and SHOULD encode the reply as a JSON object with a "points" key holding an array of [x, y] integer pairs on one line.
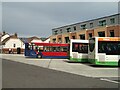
{"points": [[109, 74], [21, 75], [84, 69]]}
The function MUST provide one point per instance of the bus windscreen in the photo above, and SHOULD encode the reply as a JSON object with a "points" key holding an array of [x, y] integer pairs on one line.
{"points": [[109, 47], [80, 47]]}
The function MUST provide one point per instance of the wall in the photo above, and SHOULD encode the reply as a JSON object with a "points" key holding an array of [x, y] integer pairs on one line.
{"points": [[100, 29], [34, 40], [47, 41], [81, 32], [89, 31], [116, 30], [53, 37], [10, 42]]}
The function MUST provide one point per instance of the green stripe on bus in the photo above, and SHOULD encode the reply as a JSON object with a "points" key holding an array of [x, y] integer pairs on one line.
{"points": [[94, 61], [79, 59]]}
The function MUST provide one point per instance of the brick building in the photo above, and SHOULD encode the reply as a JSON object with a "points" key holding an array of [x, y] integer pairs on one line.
{"points": [[102, 27]]}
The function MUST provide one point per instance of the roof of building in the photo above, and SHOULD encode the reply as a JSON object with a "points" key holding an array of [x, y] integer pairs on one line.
{"points": [[85, 21], [8, 38], [4, 34], [30, 39], [43, 39]]}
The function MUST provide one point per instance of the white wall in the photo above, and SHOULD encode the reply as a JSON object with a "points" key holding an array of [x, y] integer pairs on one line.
{"points": [[47, 41], [34, 40], [4, 37], [10, 43]]}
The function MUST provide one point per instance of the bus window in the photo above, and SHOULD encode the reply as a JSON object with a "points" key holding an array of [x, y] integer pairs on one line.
{"points": [[58, 49], [75, 47], [86, 48], [65, 49], [36, 48], [109, 47], [40, 49], [30, 47], [47, 49], [27, 46], [83, 48], [114, 47], [54, 49]]}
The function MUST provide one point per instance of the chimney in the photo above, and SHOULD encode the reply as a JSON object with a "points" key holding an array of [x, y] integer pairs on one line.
{"points": [[4, 32], [15, 34]]}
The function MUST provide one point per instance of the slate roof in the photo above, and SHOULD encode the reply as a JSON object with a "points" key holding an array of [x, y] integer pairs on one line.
{"points": [[8, 38], [29, 39]]}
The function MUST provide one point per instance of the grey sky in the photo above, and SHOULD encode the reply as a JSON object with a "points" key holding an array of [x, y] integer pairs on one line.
{"points": [[38, 18]]}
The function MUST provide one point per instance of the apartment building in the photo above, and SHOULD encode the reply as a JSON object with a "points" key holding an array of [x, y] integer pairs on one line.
{"points": [[108, 26]]}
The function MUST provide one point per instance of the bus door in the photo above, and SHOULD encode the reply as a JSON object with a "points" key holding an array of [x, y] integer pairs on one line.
{"points": [[91, 50]]}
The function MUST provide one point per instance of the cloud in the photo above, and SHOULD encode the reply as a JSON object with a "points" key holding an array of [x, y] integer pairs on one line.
{"points": [[38, 18]]}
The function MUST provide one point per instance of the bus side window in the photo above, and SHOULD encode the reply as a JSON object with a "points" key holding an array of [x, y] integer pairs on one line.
{"points": [[40, 49], [46, 49], [118, 49], [86, 48], [64, 49], [27, 47], [54, 49], [76, 47], [108, 47], [104, 48], [30, 47], [36, 48]]}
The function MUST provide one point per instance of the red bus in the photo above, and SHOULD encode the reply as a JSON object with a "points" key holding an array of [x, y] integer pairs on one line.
{"points": [[46, 50]]}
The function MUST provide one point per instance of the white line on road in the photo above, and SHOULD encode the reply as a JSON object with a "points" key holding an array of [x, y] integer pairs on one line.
{"points": [[109, 80]]}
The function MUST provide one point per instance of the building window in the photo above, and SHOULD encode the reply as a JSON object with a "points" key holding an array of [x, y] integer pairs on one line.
{"points": [[111, 33], [68, 29], [67, 40], [90, 35], [83, 26], [59, 40], [73, 37], [74, 28], [112, 20], [101, 34], [102, 23], [56, 32], [60, 30], [14, 45], [91, 25], [54, 40], [82, 36]]}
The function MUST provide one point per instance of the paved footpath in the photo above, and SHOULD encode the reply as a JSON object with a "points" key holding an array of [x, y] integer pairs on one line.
{"points": [[20, 75], [63, 65], [109, 74]]}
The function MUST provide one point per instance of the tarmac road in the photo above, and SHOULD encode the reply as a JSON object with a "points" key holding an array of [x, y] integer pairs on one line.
{"points": [[20, 75]]}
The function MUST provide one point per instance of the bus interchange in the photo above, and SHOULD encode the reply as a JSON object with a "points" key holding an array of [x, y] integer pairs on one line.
{"points": [[97, 50]]}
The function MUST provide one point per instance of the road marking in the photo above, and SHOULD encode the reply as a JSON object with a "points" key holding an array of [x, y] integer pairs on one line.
{"points": [[109, 80]]}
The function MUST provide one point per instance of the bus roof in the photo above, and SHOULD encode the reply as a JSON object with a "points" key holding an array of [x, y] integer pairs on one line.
{"points": [[50, 44], [79, 41], [108, 38]]}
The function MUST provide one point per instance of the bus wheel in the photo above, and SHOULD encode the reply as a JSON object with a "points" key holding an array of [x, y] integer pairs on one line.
{"points": [[39, 56]]}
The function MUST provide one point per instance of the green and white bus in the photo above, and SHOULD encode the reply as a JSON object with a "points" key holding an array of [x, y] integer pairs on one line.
{"points": [[78, 50], [104, 51]]}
